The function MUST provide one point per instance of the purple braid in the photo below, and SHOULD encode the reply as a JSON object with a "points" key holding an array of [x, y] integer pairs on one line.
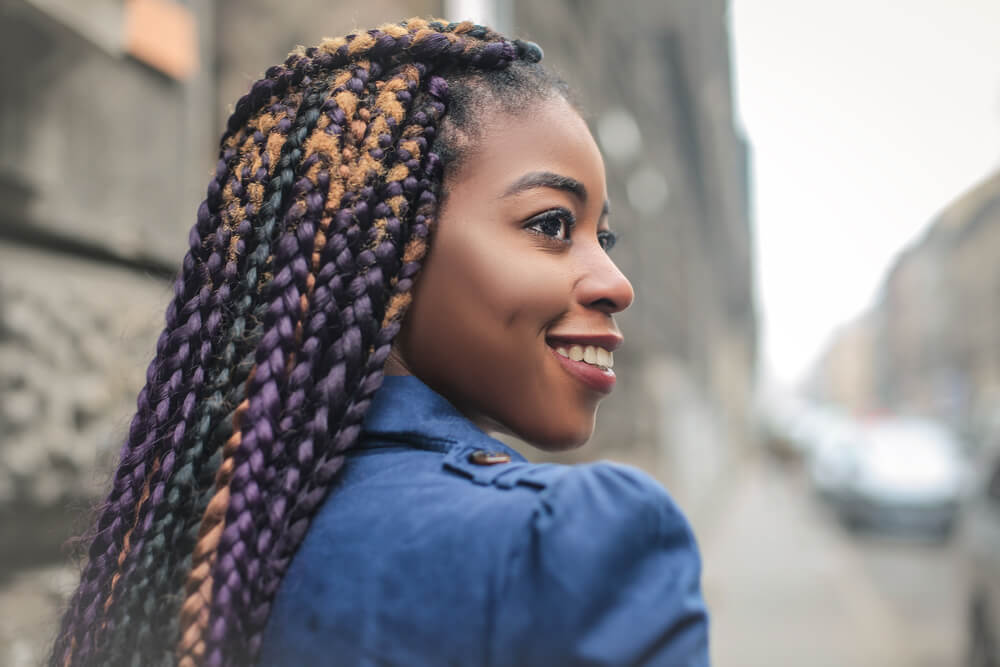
{"points": [[267, 440], [89, 603], [167, 519]]}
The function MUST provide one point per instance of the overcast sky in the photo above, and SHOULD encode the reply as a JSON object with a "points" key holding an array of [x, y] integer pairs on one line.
{"points": [[866, 118]]}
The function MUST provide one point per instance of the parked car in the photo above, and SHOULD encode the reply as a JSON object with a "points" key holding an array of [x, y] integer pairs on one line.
{"points": [[833, 459], [908, 474], [980, 545], [792, 427]]}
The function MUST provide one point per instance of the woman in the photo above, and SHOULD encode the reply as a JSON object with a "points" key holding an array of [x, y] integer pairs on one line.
{"points": [[308, 479]]}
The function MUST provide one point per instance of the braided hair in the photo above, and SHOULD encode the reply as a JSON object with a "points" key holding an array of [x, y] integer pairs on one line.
{"points": [[299, 273]]}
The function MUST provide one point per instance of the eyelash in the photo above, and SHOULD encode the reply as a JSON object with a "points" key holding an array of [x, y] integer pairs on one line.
{"points": [[563, 217], [542, 224]]}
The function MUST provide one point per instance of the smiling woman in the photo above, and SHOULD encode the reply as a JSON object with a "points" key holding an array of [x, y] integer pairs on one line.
{"points": [[519, 270], [404, 248]]}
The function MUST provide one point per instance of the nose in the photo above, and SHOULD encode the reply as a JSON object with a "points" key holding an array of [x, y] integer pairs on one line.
{"points": [[602, 285]]}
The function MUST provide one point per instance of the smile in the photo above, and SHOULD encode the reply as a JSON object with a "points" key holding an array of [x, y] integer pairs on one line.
{"points": [[589, 364], [588, 354]]}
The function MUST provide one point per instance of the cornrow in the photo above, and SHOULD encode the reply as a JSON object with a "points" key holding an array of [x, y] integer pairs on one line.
{"points": [[298, 277]]}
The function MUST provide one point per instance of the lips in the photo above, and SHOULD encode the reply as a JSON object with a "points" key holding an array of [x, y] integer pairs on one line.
{"points": [[588, 358]]}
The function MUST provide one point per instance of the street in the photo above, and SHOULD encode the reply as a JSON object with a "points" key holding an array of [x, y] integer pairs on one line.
{"points": [[788, 585]]}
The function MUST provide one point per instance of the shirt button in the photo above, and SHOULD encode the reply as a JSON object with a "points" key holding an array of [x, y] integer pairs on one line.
{"points": [[481, 457]]}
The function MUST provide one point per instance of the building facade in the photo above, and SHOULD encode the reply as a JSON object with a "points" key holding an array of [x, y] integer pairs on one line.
{"points": [[934, 343]]}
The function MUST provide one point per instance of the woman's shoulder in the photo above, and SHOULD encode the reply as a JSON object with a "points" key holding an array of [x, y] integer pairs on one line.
{"points": [[517, 560], [562, 492], [486, 486], [486, 490], [608, 572], [596, 564]]}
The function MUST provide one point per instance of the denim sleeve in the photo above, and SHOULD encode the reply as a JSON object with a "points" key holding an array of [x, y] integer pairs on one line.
{"points": [[608, 574]]}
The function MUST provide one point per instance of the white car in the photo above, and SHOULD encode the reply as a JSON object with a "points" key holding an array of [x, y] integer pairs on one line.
{"points": [[833, 459], [908, 474]]}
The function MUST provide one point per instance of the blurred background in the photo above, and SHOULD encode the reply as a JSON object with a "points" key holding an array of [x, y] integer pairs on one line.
{"points": [[809, 200]]}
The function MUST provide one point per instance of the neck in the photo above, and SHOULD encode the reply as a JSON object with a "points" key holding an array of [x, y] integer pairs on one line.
{"points": [[394, 364]]}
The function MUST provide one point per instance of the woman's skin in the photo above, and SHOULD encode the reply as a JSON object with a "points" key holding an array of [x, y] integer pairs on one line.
{"points": [[510, 277]]}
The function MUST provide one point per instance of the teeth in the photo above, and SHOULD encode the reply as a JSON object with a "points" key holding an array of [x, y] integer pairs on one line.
{"points": [[591, 354]]}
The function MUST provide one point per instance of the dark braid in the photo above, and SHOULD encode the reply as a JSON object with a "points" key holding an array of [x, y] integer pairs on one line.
{"points": [[111, 536], [209, 215], [299, 273], [140, 613]]}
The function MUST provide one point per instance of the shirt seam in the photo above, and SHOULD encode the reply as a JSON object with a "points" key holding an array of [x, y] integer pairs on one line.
{"points": [[415, 440]]}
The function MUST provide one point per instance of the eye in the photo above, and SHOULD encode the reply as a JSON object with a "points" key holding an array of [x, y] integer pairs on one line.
{"points": [[607, 239], [555, 224]]}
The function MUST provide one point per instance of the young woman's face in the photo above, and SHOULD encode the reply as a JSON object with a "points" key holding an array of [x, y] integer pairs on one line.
{"points": [[516, 277]]}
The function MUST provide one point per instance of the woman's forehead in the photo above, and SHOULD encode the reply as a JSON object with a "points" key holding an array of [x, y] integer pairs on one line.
{"points": [[549, 141]]}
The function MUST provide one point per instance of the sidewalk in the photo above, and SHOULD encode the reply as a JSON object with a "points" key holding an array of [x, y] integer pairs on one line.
{"points": [[784, 589]]}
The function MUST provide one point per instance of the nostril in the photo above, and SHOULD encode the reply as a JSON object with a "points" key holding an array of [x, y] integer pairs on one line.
{"points": [[605, 304]]}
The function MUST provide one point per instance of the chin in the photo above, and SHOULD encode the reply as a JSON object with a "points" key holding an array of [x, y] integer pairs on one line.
{"points": [[562, 437]]}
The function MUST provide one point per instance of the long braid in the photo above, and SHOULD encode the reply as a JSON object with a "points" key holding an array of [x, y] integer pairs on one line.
{"points": [[106, 548], [155, 406], [272, 453], [159, 564], [296, 283], [401, 267], [247, 493], [378, 261], [164, 558], [194, 611]]}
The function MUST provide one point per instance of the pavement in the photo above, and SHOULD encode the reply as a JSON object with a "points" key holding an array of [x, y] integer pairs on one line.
{"points": [[788, 586]]}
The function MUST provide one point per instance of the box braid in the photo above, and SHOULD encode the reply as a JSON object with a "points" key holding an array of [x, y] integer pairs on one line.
{"points": [[196, 265], [299, 273]]}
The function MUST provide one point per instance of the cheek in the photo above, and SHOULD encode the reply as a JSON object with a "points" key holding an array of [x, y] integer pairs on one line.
{"points": [[476, 335], [488, 296]]}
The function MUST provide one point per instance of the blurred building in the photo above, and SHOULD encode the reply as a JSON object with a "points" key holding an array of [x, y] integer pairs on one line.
{"points": [[932, 342], [106, 132], [108, 124], [846, 373]]}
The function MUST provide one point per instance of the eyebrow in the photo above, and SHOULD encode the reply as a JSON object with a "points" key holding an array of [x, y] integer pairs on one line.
{"points": [[548, 179]]}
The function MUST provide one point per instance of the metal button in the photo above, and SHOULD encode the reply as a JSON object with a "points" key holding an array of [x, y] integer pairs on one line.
{"points": [[481, 457]]}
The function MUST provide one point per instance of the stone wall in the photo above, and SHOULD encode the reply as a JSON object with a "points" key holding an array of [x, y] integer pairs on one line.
{"points": [[75, 336], [98, 150]]}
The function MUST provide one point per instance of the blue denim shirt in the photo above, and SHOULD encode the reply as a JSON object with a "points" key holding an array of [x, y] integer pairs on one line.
{"points": [[424, 553]]}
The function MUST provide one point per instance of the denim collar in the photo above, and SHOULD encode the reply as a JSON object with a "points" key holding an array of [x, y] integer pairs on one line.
{"points": [[405, 409]]}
